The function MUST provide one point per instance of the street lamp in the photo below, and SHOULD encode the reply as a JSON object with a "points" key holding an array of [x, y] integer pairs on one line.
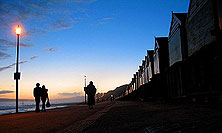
{"points": [[18, 31], [85, 88]]}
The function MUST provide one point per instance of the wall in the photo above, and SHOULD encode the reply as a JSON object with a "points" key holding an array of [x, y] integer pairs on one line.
{"points": [[199, 27], [219, 7], [156, 62], [175, 53]]}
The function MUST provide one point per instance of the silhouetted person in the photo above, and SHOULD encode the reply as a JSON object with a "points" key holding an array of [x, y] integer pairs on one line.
{"points": [[91, 91], [37, 94], [112, 98], [44, 96]]}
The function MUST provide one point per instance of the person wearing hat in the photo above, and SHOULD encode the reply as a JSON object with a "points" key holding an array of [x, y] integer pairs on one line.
{"points": [[37, 94], [91, 91]]}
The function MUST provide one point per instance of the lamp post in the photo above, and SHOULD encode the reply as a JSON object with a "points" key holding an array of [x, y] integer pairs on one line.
{"points": [[85, 88], [17, 74]]}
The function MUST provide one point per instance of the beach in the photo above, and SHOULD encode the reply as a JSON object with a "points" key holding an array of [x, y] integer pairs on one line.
{"points": [[119, 116]]}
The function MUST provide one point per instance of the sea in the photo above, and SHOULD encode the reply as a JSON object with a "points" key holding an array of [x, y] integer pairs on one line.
{"points": [[8, 106]]}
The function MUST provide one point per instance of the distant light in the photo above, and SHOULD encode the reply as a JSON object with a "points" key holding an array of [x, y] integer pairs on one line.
{"points": [[18, 30]]}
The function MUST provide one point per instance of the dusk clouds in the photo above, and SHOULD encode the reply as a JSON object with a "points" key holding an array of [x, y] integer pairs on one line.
{"points": [[105, 20], [6, 92], [6, 44], [22, 62], [62, 23], [6, 67], [14, 12], [48, 49], [75, 1], [4, 55], [12, 65], [74, 94], [34, 57]]}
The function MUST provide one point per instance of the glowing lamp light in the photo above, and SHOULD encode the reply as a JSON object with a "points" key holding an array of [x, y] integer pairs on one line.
{"points": [[18, 30]]}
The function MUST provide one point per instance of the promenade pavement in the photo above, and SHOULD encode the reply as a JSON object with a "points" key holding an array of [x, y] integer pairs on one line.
{"points": [[55, 120], [119, 116], [156, 117]]}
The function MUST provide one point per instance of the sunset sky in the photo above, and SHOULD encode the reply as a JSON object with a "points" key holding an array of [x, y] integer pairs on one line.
{"points": [[63, 40]]}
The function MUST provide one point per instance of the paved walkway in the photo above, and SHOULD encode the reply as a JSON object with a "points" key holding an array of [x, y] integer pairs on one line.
{"points": [[154, 117], [53, 120], [114, 117]]}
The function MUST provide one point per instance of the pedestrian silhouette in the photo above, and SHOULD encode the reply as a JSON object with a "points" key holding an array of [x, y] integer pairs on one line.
{"points": [[91, 91], [37, 94], [44, 96], [112, 98]]}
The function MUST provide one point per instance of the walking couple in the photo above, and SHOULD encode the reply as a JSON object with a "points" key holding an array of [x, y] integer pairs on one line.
{"points": [[41, 92]]}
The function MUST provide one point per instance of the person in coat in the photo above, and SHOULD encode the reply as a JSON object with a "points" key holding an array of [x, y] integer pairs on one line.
{"points": [[37, 94], [44, 97], [91, 91]]}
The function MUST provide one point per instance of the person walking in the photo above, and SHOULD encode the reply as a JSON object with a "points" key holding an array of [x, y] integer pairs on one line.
{"points": [[44, 96], [91, 91], [37, 93]]}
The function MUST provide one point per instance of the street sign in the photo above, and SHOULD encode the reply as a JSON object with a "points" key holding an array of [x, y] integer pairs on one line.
{"points": [[17, 75]]}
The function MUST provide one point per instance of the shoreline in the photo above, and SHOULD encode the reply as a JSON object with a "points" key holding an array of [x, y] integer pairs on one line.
{"points": [[56, 106]]}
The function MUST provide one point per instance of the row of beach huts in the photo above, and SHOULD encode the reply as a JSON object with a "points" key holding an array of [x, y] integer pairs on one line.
{"points": [[186, 64]]}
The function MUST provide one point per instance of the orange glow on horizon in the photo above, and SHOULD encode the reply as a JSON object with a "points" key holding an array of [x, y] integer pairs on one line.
{"points": [[18, 30]]}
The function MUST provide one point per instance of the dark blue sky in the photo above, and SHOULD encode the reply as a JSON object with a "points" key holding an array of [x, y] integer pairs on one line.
{"points": [[63, 40]]}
